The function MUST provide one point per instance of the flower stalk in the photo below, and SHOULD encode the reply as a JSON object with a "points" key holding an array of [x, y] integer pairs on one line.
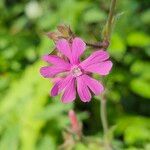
{"points": [[106, 39], [103, 114], [108, 27]]}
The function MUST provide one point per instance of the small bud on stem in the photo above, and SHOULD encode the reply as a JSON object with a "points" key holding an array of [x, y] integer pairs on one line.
{"points": [[63, 32], [76, 126]]}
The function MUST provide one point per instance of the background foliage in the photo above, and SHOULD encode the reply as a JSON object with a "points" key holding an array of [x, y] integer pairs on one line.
{"points": [[29, 118]]}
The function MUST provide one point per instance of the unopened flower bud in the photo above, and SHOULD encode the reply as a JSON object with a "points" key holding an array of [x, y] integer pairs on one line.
{"points": [[65, 31], [76, 126], [53, 35]]}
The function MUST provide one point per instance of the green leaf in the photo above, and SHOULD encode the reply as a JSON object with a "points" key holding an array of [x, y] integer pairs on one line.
{"points": [[19, 24], [46, 143], [10, 138], [94, 15], [139, 39], [141, 68], [140, 87], [132, 137], [145, 16], [53, 110], [135, 129], [25, 98], [46, 46], [75, 7], [117, 47], [80, 146]]}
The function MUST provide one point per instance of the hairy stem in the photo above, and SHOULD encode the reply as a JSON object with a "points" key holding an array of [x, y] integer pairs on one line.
{"points": [[108, 27], [103, 44], [103, 114]]}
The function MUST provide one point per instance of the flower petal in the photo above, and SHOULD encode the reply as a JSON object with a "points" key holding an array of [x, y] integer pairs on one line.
{"points": [[78, 47], [55, 60], [55, 89], [83, 90], [69, 92], [64, 47], [60, 85], [93, 84], [102, 68], [95, 57], [51, 71]]}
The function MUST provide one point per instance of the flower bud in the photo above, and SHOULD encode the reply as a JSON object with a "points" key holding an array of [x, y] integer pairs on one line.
{"points": [[76, 126], [65, 31], [53, 35]]}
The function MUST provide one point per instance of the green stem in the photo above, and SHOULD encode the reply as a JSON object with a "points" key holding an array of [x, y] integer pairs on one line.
{"points": [[106, 38], [103, 113], [108, 26]]}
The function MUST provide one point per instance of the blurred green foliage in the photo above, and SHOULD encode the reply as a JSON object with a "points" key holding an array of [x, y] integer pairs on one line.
{"points": [[29, 118]]}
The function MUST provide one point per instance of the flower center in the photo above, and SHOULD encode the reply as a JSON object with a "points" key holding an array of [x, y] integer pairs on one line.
{"points": [[76, 71]]}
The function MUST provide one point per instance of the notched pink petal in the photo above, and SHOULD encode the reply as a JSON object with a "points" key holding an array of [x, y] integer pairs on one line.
{"points": [[57, 61], [44, 72], [60, 85], [56, 79], [69, 94], [95, 86], [51, 71], [102, 68], [95, 57], [83, 90], [64, 47], [78, 47], [46, 58], [55, 90]]}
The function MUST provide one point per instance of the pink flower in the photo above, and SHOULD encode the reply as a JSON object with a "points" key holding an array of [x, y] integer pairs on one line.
{"points": [[77, 72]]}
